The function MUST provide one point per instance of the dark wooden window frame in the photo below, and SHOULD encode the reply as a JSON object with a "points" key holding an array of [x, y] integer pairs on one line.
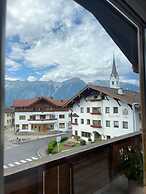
{"points": [[130, 15]]}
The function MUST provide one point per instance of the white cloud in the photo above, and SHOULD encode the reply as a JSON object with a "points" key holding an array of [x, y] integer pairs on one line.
{"points": [[83, 50], [131, 81], [31, 78], [12, 65], [8, 78]]}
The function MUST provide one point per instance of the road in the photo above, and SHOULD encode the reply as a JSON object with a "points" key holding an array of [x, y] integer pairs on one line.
{"points": [[26, 152]]}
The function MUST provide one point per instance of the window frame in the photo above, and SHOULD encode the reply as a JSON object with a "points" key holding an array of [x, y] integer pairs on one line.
{"points": [[125, 122], [107, 108], [82, 121], [115, 108], [108, 121], [116, 126]]}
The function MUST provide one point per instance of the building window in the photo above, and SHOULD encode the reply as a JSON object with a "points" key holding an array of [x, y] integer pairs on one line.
{"points": [[82, 110], [61, 125], [24, 126], [96, 122], [86, 134], [62, 116], [88, 109], [32, 117], [42, 117], [115, 110], [88, 121], [76, 133], [125, 111], [125, 125], [82, 121], [76, 121], [96, 110], [107, 123], [116, 124], [17, 126], [22, 117], [107, 109]]}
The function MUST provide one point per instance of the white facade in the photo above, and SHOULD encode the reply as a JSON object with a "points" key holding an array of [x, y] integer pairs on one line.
{"points": [[8, 119], [113, 118], [36, 121], [114, 82]]}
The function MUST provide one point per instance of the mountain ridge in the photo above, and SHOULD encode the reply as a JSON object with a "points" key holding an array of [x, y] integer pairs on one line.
{"points": [[59, 90]]}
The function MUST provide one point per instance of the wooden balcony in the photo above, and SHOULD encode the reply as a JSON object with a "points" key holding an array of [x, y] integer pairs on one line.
{"points": [[83, 170], [42, 119]]}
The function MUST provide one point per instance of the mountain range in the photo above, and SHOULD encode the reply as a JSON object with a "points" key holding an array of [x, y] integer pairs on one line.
{"points": [[59, 90]]}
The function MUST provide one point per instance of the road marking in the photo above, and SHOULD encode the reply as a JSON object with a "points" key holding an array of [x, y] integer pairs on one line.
{"points": [[11, 165], [23, 161], [20, 162], [17, 163], [34, 158], [29, 160]]}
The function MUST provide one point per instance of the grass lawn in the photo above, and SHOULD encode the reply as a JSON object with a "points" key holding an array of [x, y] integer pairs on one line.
{"points": [[62, 147], [69, 144]]}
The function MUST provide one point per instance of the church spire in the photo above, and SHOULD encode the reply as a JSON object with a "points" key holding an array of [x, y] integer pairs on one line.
{"points": [[114, 78], [114, 69]]}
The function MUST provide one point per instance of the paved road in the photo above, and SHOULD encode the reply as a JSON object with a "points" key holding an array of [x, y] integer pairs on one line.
{"points": [[26, 152]]}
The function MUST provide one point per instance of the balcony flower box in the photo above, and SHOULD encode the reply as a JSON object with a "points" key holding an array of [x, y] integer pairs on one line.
{"points": [[95, 113], [96, 126], [74, 123]]}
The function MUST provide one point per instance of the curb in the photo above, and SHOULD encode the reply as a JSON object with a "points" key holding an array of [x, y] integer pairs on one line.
{"points": [[38, 138]]}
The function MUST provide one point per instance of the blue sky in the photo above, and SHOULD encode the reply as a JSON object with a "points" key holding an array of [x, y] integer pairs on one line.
{"points": [[58, 40]]}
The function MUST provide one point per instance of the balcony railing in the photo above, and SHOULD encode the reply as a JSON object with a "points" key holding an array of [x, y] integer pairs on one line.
{"points": [[72, 171], [74, 123], [42, 119], [95, 113], [96, 126]]}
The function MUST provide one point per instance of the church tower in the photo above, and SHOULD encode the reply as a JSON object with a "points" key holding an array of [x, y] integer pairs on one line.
{"points": [[114, 78]]}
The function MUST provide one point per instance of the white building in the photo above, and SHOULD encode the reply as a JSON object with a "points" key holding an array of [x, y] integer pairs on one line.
{"points": [[41, 114], [103, 112], [8, 118]]}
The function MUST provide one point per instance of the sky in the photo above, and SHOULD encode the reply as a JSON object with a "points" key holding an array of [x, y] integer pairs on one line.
{"points": [[59, 40]]}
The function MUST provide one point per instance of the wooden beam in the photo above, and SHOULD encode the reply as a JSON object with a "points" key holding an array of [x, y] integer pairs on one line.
{"points": [[142, 68], [2, 58]]}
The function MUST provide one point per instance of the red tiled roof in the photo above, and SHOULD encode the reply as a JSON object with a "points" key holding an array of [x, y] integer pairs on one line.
{"points": [[29, 102]]}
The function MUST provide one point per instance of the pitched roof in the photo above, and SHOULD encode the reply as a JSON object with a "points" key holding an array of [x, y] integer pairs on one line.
{"points": [[8, 110], [28, 102], [114, 69], [128, 97], [75, 115]]}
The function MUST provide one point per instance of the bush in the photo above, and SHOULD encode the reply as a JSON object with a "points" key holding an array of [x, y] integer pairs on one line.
{"points": [[131, 163], [64, 139], [82, 142], [51, 146]]}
